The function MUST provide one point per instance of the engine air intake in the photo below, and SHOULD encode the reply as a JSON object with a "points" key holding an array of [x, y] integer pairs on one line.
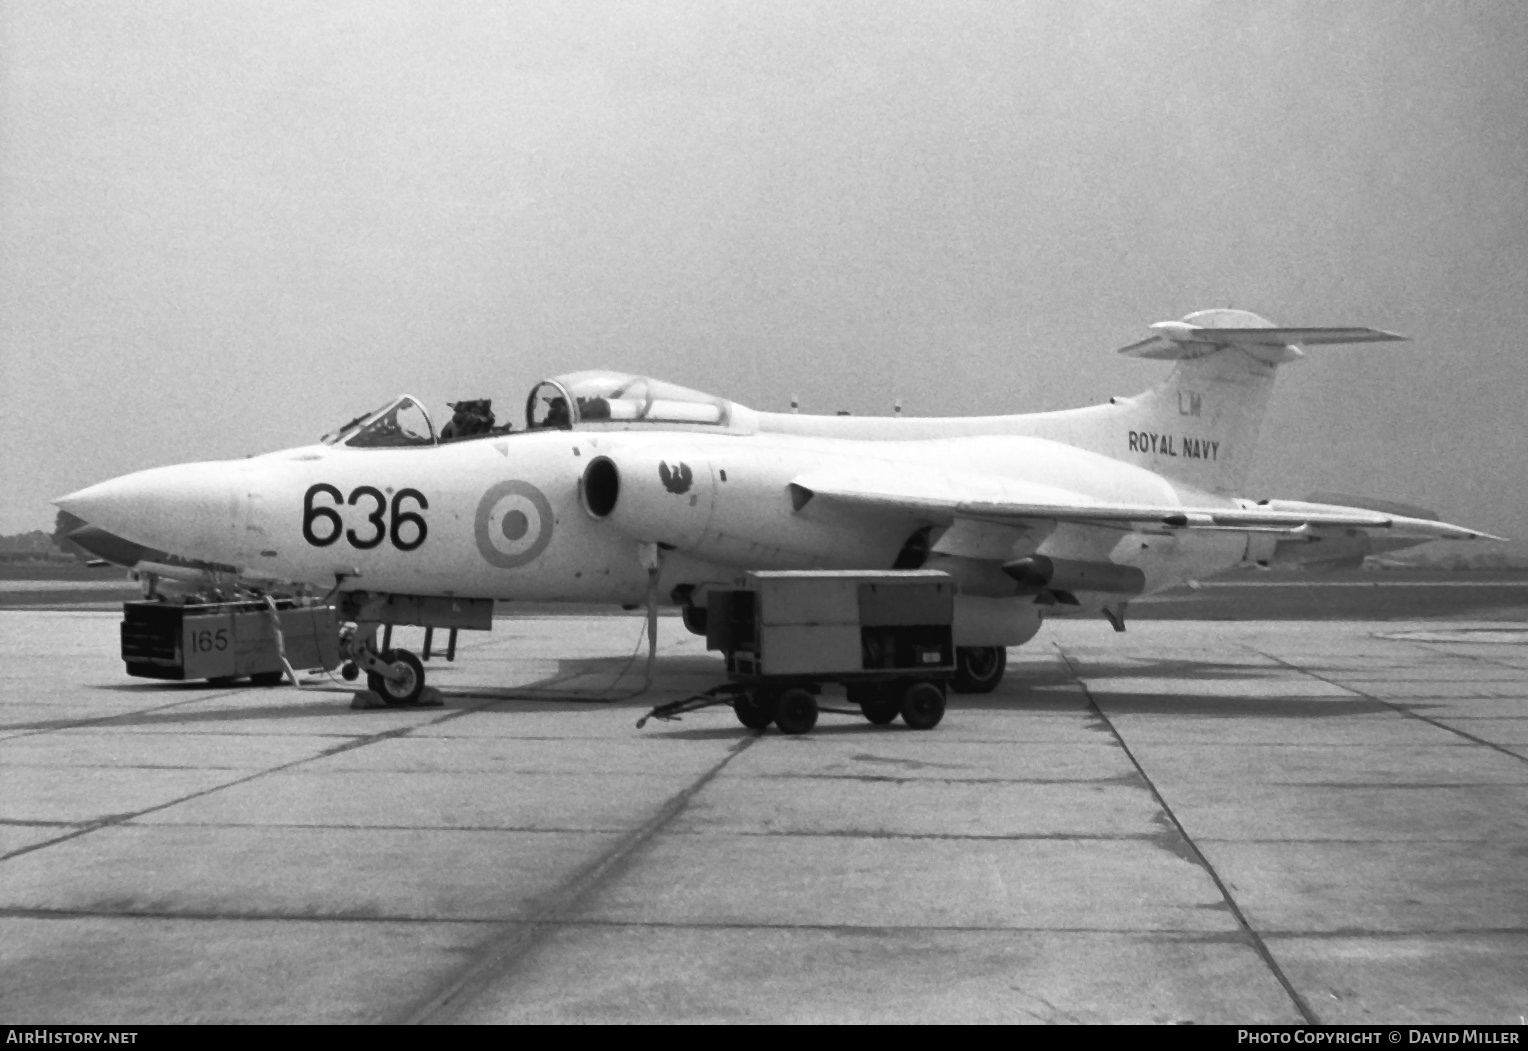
{"points": [[601, 487]]}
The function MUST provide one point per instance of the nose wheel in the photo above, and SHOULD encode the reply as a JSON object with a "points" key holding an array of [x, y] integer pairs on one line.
{"points": [[402, 682], [394, 675]]}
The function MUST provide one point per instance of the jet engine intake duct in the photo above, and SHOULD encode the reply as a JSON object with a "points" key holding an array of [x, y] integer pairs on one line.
{"points": [[601, 486], [650, 498], [1037, 573]]}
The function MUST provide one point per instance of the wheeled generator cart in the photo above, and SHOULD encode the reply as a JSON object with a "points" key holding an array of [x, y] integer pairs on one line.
{"points": [[225, 641], [885, 637]]}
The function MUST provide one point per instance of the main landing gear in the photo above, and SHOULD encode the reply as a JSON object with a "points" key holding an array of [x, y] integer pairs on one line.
{"points": [[978, 669]]}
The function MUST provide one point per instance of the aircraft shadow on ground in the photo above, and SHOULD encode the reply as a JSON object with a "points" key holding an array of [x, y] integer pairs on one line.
{"points": [[1213, 705], [618, 683], [1238, 706], [185, 716], [1066, 691], [728, 728], [610, 681], [1166, 669]]}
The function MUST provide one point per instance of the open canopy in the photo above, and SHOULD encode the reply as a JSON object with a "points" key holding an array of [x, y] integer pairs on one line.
{"points": [[400, 423]]}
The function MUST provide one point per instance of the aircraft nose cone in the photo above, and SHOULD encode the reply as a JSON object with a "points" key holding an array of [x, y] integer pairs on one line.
{"points": [[187, 509]]}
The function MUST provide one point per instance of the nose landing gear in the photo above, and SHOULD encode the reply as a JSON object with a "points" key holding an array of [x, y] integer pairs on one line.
{"points": [[396, 676], [403, 681]]}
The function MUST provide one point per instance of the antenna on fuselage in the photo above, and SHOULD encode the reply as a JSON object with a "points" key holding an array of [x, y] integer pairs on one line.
{"points": [[795, 403]]}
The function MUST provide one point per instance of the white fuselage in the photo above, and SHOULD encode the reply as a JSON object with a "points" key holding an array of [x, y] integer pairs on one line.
{"points": [[505, 517]]}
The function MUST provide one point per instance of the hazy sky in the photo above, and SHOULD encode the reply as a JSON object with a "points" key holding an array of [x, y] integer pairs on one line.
{"points": [[226, 227]]}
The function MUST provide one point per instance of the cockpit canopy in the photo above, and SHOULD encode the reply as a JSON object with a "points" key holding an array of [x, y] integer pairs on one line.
{"points": [[592, 399], [401, 423], [584, 400]]}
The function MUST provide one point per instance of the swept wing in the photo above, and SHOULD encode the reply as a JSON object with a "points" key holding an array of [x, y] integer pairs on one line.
{"points": [[945, 496]]}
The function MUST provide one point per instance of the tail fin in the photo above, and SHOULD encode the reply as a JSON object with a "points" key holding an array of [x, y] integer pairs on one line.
{"points": [[1201, 424]]}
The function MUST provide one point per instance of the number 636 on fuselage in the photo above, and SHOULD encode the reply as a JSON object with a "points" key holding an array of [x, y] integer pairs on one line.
{"points": [[626, 490]]}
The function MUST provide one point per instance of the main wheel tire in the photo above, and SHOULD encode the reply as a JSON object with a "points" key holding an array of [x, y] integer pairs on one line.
{"points": [[753, 711], [978, 669], [795, 711], [922, 705], [405, 683]]}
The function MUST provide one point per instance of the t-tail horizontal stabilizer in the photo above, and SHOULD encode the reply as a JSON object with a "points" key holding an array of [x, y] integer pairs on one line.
{"points": [[1211, 406], [1176, 340]]}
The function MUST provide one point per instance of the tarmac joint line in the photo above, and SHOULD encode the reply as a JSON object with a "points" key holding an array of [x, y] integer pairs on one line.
{"points": [[498, 958], [1404, 709], [1195, 855]]}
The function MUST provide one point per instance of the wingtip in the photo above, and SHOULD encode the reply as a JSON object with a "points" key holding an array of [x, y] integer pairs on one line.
{"points": [[1461, 533]]}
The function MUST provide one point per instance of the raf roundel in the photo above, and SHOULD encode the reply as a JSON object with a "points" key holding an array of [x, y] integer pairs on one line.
{"points": [[513, 524]]}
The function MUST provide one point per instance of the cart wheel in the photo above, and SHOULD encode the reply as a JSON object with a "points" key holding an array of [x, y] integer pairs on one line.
{"points": [[796, 711], [978, 669], [922, 705], [267, 678], [222, 680], [753, 711], [879, 706], [405, 683]]}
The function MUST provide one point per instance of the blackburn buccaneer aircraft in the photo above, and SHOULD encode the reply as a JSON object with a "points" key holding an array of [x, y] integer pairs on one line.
{"points": [[632, 491]]}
